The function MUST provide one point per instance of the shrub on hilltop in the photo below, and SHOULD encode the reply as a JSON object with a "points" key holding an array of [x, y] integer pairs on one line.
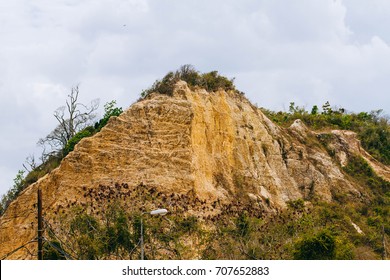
{"points": [[211, 81]]}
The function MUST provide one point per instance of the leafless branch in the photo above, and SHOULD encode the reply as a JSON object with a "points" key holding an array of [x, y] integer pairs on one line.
{"points": [[30, 162], [71, 118]]}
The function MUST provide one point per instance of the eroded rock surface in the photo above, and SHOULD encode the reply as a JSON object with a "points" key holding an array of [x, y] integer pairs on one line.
{"points": [[197, 153]]}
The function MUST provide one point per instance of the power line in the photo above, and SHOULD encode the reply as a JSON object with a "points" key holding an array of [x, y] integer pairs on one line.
{"points": [[58, 239], [17, 249], [66, 255], [40, 238], [40, 226]]}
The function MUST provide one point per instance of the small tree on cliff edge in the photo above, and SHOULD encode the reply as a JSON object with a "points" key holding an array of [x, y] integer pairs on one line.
{"points": [[72, 118]]}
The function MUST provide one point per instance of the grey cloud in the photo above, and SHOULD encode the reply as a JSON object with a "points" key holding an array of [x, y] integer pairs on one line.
{"points": [[368, 19], [307, 51]]}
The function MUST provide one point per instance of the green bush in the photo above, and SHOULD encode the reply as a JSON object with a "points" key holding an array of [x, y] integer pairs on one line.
{"points": [[322, 246], [52, 250], [298, 204], [188, 224], [243, 225], [51, 163], [19, 185], [110, 110], [86, 132], [361, 170], [211, 81]]}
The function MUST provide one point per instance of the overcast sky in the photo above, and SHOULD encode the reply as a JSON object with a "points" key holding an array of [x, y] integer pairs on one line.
{"points": [[307, 51]]}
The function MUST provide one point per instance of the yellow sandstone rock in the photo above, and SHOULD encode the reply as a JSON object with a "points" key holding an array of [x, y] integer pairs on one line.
{"points": [[196, 152]]}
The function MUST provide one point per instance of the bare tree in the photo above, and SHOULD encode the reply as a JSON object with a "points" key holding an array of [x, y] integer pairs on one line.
{"points": [[72, 118], [30, 163]]}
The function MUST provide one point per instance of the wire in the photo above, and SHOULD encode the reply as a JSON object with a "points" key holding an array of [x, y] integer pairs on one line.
{"points": [[17, 249], [56, 236], [131, 253], [59, 240], [66, 255]]}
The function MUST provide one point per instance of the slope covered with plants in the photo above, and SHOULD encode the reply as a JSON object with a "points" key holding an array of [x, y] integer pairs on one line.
{"points": [[372, 128]]}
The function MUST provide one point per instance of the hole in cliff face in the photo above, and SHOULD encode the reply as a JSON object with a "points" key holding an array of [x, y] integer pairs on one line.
{"points": [[242, 186], [311, 190], [283, 150], [308, 190], [264, 147], [221, 181], [300, 154]]}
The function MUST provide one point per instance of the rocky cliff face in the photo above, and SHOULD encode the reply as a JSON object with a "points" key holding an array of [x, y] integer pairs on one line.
{"points": [[196, 153]]}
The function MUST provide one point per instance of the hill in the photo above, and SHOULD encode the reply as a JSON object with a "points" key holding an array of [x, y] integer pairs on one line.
{"points": [[236, 185]]}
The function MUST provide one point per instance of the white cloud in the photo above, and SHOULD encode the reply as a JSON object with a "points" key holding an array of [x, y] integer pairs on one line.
{"points": [[368, 19], [7, 176], [307, 51], [308, 20]]}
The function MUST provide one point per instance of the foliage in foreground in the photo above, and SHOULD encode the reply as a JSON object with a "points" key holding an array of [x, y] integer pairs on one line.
{"points": [[320, 231], [115, 234], [304, 230]]}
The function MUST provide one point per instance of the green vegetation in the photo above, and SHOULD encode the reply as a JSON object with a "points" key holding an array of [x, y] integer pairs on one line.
{"points": [[322, 246], [93, 239], [19, 183], [372, 128], [115, 234], [86, 132], [211, 81], [52, 162], [304, 230], [89, 237], [71, 118], [360, 170], [377, 212], [53, 251], [110, 110], [312, 230]]}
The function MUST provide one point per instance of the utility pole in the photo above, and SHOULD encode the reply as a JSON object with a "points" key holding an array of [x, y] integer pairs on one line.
{"points": [[40, 227], [384, 256], [142, 240]]}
